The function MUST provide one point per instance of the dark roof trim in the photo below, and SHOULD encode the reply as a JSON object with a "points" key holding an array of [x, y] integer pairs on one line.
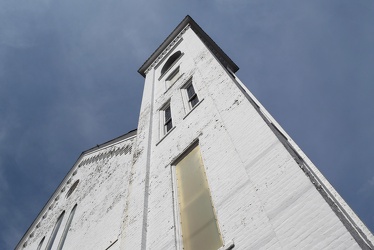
{"points": [[203, 36], [119, 138]]}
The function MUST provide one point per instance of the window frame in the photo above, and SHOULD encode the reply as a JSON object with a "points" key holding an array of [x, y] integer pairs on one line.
{"points": [[172, 78], [188, 107], [193, 96], [176, 207], [168, 119], [177, 220], [163, 131], [171, 65], [55, 231], [72, 189], [66, 228]]}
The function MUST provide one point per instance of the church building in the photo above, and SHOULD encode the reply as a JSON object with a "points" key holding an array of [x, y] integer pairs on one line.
{"points": [[207, 168]]}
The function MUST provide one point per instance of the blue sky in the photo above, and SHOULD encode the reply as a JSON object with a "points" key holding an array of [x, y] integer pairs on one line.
{"points": [[69, 81]]}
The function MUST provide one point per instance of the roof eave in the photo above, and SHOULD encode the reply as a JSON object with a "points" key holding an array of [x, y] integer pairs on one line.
{"points": [[200, 32]]}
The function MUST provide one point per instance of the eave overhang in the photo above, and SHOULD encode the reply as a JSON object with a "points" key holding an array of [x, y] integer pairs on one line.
{"points": [[211, 45]]}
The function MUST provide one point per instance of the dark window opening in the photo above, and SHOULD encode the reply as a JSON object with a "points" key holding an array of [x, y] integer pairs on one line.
{"points": [[168, 121], [192, 96], [72, 188]]}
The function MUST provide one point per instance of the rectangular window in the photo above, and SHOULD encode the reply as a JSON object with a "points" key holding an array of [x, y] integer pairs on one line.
{"points": [[172, 78], [192, 96], [189, 95], [197, 217], [168, 122]]}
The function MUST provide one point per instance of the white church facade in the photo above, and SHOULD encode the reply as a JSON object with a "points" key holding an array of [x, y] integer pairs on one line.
{"points": [[207, 168]]}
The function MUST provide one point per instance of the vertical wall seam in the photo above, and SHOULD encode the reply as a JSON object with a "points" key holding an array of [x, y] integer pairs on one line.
{"points": [[147, 169]]}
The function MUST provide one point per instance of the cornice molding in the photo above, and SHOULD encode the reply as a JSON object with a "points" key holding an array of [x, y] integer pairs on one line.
{"points": [[167, 49], [175, 36]]}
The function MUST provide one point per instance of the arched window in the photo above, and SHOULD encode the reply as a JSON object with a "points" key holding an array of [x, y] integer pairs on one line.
{"points": [[54, 232], [170, 61], [40, 244], [66, 229], [72, 188]]}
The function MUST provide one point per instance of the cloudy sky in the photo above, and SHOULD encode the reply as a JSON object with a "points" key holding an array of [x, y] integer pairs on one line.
{"points": [[69, 81]]}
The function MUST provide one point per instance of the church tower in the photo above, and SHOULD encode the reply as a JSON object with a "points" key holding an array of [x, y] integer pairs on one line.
{"points": [[207, 168]]}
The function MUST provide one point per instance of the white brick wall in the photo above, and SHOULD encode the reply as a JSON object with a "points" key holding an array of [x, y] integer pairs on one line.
{"points": [[262, 198], [100, 198]]}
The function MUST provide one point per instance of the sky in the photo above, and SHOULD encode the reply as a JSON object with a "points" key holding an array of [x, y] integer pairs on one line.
{"points": [[69, 81]]}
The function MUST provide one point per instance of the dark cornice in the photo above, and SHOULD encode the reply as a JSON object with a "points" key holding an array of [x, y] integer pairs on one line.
{"points": [[211, 45], [119, 138]]}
